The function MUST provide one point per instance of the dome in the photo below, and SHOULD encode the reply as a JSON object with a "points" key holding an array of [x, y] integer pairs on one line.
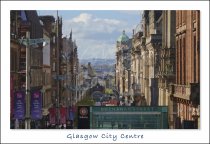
{"points": [[123, 38]]}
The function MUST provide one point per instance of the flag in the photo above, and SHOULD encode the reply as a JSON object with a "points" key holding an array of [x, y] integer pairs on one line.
{"points": [[52, 113]]}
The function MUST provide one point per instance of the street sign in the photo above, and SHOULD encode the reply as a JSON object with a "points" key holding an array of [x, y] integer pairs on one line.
{"points": [[59, 77], [31, 41]]}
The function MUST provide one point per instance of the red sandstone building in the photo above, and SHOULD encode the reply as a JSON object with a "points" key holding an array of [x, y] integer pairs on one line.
{"points": [[186, 90]]}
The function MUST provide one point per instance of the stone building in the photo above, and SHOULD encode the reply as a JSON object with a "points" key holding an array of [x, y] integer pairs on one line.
{"points": [[150, 51], [48, 99], [15, 34], [136, 60], [54, 27], [186, 90], [123, 64], [25, 24], [69, 68], [167, 63]]}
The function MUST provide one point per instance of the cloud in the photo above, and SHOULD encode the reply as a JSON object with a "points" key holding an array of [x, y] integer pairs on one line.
{"points": [[96, 36], [131, 12], [88, 23], [82, 18], [95, 49]]}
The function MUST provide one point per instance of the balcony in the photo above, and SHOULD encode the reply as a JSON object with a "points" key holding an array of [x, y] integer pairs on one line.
{"points": [[182, 91], [189, 92], [154, 38]]}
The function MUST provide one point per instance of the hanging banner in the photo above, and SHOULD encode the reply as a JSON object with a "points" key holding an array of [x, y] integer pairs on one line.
{"points": [[71, 113], [52, 113], [63, 115], [19, 105], [36, 105], [11, 97]]}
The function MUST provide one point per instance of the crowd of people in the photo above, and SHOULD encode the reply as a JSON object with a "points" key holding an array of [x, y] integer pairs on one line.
{"points": [[138, 99]]}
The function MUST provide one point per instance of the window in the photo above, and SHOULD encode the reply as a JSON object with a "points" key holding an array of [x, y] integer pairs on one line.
{"points": [[194, 15], [54, 39], [43, 78], [194, 57], [53, 66], [184, 12], [180, 17], [180, 64], [177, 18], [184, 57], [13, 62]]}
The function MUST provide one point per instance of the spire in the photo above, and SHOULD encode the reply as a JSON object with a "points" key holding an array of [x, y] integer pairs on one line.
{"points": [[70, 37], [123, 31]]}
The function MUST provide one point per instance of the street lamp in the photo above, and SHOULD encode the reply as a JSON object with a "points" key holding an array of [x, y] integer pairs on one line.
{"points": [[29, 42], [66, 57]]}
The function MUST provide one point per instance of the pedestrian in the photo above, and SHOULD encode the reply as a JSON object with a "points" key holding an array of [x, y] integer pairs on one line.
{"points": [[112, 124], [137, 100], [119, 126], [69, 124], [62, 127], [128, 103], [49, 126], [143, 100]]}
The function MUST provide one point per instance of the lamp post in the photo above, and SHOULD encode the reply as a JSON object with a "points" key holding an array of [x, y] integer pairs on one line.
{"points": [[66, 56], [29, 42], [28, 62]]}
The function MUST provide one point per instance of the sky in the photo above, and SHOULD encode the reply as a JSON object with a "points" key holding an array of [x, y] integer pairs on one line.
{"points": [[96, 31]]}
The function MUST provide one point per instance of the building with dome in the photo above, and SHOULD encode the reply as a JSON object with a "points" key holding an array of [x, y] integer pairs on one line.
{"points": [[123, 63]]}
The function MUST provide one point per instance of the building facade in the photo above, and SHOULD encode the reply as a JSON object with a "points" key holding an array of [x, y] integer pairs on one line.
{"points": [[71, 92], [136, 67], [47, 77], [25, 25], [167, 63], [15, 34], [150, 51], [186, 90], [123, 64]]}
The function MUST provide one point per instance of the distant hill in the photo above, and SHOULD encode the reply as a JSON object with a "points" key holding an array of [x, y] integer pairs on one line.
{"points": [[95, 62]]}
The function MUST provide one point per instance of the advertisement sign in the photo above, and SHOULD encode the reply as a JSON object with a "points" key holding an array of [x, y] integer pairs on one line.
{"points": [[36, 105], [52, 113], [63, 115], [19, 105], [83, 117]]}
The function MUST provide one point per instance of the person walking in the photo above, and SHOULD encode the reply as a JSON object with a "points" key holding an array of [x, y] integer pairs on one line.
{"points": [[137, 100]]}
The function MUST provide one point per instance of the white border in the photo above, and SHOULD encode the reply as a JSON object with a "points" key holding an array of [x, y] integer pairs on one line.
{"points": [[53, 136]]}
